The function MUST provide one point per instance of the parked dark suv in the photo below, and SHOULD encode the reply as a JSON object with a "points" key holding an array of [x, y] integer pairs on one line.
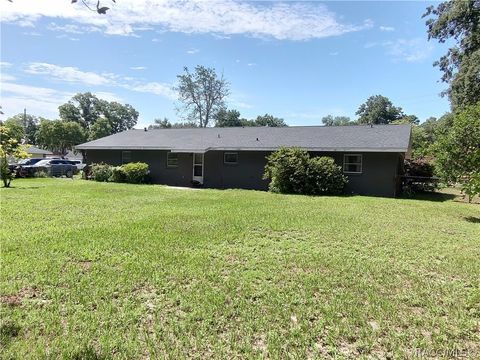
{"points": [[24, 162], [52, 167]]}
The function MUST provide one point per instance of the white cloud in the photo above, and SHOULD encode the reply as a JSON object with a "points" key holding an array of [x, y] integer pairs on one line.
{"points": [[334, 53], [105, 95], [252, 64], [6, 77], [193, 51], [286, 20], [155, 88], [386, 28], [409, 50], [68, 74], [32, 33], [5, 64], [137, 68], [74, 75], [38, 100], [156, 40]]}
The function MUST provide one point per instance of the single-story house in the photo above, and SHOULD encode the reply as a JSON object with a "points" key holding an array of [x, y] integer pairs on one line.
{"points": [[35, 152], [371, 156]]}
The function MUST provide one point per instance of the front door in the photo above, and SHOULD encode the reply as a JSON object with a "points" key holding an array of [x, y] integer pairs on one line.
{"points": [[198, 167]]}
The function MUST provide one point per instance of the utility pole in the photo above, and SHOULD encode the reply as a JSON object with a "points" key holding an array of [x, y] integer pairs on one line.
{"points": [[25, 120]]}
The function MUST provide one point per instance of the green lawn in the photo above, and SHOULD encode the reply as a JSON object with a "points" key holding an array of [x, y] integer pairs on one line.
{"points": [[96, 270]]}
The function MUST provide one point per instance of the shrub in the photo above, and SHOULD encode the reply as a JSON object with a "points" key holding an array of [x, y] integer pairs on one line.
{"points": [[325, 177], [292, 171], [287, 169], [136, 173], [41, 174], [101, 172], [118, 174], [419, 167], [422, 169]]}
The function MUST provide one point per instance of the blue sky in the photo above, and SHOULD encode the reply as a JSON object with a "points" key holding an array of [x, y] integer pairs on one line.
{"points": [[299, 61]]}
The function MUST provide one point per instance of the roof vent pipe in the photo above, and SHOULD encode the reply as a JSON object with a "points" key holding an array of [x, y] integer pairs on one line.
{"points": [[218, 135], [145, 129], [257, 139]]}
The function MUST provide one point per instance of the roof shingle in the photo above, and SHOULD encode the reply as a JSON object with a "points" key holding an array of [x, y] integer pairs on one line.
{"points": [[378, 138]]}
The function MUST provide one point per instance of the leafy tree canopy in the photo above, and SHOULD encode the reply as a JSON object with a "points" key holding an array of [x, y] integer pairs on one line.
{"points": [[269, 120], [458, 151], [9, 148], [331, 120], [201, 94], [166, 124], [60, 136], [86, 109], [378, 109], [29, 124], [228, 118], [458, 20], [161, 124], [100, 128]]}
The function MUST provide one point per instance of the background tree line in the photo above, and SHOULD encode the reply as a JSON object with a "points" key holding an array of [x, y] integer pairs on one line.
{"points": [[84, 117]]}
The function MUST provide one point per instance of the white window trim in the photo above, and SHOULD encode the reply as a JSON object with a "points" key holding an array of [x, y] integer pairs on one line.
{"points": [[350, 163], [169, 165], [225, 158], [123, 157]]}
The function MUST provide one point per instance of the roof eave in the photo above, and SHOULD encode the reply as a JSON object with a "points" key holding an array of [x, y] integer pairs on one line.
{"points": [[177, 150]]}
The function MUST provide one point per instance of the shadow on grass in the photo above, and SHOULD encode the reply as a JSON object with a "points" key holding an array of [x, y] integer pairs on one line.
{"points": [[8, 331], [472, 219], [24, 187], [430, 196], [88, 353]]}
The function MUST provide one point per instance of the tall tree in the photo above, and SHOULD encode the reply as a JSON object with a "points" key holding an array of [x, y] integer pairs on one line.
{"points": [[331, 120], [378, 109], [458, 151], [121, 117], [60, 136], [83, 108], [227, 118], [160, 124], [9, 147], [29, 123], [100, 129], [15, 130], [270, 120], [458, 20], [202, 94], [86, 109]]}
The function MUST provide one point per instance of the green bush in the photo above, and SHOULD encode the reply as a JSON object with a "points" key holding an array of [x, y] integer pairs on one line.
{"points": [[136, 173], [292, 171], [324, 177], [118, 174], [421, 166], [101, 172], [287, 169]]}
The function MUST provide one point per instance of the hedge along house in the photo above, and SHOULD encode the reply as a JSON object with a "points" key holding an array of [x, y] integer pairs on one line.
{"points": [[371, 156]]}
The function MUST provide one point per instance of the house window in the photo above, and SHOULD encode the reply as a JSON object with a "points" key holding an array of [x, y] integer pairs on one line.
{"points": [[172, 160], [230, 158], [126, 157], [352, 163]]}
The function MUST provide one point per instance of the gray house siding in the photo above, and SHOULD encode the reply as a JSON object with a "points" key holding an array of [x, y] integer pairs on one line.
{"points": [[156, 160], [379, 175], [246, 174]]}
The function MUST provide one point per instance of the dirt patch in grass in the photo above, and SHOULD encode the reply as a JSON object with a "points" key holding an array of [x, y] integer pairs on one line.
{"points": [[85, 265], [28, 294]]}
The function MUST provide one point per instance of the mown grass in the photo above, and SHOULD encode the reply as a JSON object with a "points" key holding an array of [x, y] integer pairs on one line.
{"points": [[95, 270]]}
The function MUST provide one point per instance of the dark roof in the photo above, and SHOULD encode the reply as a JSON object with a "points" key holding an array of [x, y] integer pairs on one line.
{"points": [[378, 138], [35, 150]]}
